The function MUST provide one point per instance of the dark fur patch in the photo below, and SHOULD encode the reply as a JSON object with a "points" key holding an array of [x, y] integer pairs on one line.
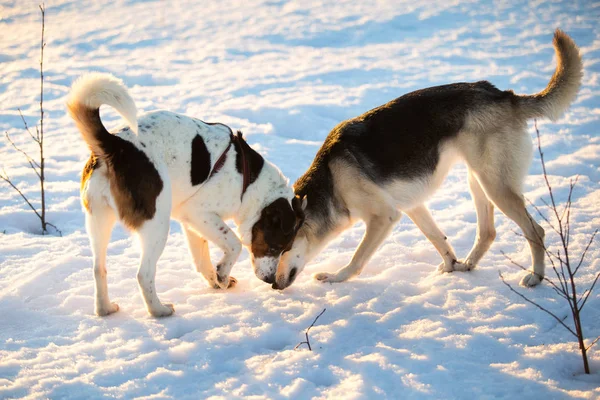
{"points": [[399, 139], [91, 165], [134, 181], [200, 161], [274, 232], [253, 159], [259, 246]]}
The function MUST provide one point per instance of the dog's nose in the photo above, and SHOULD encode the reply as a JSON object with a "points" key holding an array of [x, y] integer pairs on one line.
{"points": [[276, 286], [270, 278]]}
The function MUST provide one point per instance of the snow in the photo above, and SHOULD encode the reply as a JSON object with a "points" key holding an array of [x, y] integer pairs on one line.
{"points": [[285, 73]]}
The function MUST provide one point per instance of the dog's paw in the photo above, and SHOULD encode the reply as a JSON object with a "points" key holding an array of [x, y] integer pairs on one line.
{"points": [[164, 310], [232, 282], [531, 280], [463, 266], [224, 282], [445, 267], [327, 277], [107, 310], [460, 266]]}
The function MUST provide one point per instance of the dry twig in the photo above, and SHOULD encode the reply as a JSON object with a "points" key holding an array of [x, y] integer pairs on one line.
{"points": [[307, 342]]}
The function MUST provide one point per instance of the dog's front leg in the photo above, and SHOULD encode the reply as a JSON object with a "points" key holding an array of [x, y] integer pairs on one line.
{"points": [[421, 216], [211, 227], [378, 228]]}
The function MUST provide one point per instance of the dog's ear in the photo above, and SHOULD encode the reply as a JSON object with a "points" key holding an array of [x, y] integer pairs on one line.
{"points": [[299, 203], [272, 216], [278, 216]]}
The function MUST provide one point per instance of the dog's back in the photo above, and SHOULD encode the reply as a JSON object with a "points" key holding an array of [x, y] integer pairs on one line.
{"points": [[395, 156]]}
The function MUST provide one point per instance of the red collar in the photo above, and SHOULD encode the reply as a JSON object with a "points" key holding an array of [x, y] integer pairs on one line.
{"points": [[239, 140]]}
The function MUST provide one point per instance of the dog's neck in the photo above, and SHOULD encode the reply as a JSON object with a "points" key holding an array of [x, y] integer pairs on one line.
{"points": [[326, 215], [269, 186], [319, 231]]}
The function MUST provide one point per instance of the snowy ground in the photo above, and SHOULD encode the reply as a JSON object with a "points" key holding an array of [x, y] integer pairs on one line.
{"points": [[286, 73]]}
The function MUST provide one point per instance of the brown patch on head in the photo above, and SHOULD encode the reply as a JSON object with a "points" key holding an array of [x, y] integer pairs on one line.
{"points": [[275, 230], [259, 246], [91, 165]]}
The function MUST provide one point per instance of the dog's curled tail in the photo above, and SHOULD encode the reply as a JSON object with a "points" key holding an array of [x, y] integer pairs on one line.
{"points": [[562, 89], [88, 93]]}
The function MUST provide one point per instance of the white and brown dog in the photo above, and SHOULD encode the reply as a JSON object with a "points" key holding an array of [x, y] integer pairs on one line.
{"points": [[165, 165], [392, 159]]}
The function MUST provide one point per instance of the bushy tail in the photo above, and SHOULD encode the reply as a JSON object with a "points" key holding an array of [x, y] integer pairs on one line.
{"points": [[88, 93], [553, 101]]}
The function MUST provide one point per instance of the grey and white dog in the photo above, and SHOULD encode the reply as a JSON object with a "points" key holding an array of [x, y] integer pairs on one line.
{"points": [[393, 158]]}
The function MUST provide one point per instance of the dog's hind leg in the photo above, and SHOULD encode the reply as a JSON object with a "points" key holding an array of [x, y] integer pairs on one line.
{"points": [[99, 224], [378, 228], [512, 204], [486, 233], [153, 236], [211, 227], [198, 247], [421, 216]]}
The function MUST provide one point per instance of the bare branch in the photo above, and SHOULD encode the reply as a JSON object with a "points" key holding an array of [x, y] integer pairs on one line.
{"points": [[548, 253], [585, 296], [55, 228], [568, 203], [568, 288], [568, 209], [541, 243], [585, 251], [512, 261], [537, 305], [27, 127], [30, 160], [41, 130], [536, 208], [42, 45], [560, 291], [38, 167], [562, 266], [545, 202], [593, 343], [4, 176], [537, 132], [563, 284], [307, 342]]}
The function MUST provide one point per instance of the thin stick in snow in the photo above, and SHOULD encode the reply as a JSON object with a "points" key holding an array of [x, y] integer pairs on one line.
{"points": [[307, 342]]}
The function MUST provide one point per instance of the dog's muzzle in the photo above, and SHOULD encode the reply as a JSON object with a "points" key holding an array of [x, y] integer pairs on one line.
{"points": [[280, 285], [265, 268]]}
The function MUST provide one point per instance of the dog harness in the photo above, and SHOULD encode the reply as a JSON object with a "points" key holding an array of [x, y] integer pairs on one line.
{"points": [[234, 139]]}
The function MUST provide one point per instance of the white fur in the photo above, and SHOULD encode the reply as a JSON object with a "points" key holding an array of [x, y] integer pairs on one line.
{"points": [[97, 88], [166, 138]]}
